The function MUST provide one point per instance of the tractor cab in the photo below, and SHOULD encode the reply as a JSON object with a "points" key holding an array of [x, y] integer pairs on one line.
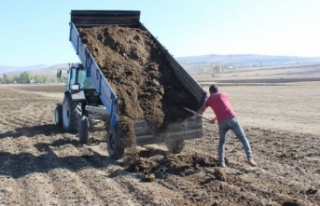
{"points": [[77, 77]]}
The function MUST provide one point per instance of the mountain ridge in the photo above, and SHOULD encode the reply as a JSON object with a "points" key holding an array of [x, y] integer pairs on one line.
{"points": [[245, 59], [241, 60]]}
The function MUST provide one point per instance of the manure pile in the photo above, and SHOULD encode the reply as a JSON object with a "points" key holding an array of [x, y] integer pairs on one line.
{"points": [[139, 74]]}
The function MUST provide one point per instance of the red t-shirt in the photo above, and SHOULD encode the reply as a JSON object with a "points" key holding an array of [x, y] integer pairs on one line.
{"points": [[219, 102]]}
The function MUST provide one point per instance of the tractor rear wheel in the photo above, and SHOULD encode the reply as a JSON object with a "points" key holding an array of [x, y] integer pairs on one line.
{"points": [[70, 113], [113, 144]]}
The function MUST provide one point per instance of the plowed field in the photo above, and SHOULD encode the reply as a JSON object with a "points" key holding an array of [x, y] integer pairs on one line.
{"points": [[40, 164]]}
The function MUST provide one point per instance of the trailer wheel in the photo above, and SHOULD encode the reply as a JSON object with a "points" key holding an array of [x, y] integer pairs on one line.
{"points": [[70, 111], [113, 144], [176, 146], [83, 129], [58, 115]]}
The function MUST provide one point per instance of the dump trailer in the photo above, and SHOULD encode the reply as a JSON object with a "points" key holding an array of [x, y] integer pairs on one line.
{"points": [[97, 99]]}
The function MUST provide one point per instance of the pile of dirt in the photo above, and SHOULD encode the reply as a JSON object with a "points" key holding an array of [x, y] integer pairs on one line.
{"points": [[158, 166], [139, 74]]}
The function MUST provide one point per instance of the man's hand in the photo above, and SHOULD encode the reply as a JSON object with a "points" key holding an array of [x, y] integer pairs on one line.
{"points": [[197, 114], [212, 121]]}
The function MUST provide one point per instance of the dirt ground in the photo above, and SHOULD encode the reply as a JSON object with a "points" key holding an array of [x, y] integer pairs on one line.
{"points": [[43, 165], [280, 72]]}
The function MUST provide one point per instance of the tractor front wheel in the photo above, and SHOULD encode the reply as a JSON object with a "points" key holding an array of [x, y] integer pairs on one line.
{"points": [[58, 115], [70, 111]]}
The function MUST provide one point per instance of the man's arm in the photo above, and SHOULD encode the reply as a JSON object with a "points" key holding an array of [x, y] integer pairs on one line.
{"points": [[200, 111]]}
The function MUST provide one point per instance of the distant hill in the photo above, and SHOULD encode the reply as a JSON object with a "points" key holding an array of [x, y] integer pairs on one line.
{"points": [[239, 60], [51, 70], [246, 60], [36, 69], [17, 69]]}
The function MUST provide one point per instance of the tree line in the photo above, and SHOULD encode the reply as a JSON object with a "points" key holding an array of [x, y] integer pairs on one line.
{"points": [[211, 68], [28, 78]]}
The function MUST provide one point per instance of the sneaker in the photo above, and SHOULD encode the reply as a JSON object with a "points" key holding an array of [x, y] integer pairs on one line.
{"points": [[222, 164], [252, 162]]}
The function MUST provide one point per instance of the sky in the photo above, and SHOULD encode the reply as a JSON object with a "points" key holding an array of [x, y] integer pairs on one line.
{"points": [[34, 32]]}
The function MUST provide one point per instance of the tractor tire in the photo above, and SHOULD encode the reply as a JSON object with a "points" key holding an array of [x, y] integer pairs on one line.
{"points": [[113, 144], [70, 113], [58, 115], [83, 132], [176, 147]]}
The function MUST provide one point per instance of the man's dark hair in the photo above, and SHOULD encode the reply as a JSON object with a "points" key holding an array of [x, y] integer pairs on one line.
{"points": [[213, 88]]}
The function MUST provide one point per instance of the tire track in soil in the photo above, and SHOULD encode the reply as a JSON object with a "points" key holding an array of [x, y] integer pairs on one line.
{"points": [[32, 116], [22, 121], [93, 189], [38, 189], [10, 191], [263, 184], [102, 190], [273, 189], [31, 177], [106, 190], [14, 160], [69, 188], [9, 123], [285, 159], [101, 178], [41, 193], [56, 170], [192, 195], [149, 193]]}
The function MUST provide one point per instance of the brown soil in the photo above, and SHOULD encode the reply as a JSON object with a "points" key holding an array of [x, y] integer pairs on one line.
{"points": [[139, 74], [43, 165], [43, 88]]}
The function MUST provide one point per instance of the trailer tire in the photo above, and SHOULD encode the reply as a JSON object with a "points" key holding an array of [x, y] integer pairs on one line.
{"points": [[71, 110], [113, 144], [83, 132], [176, 147], [58, 115]]}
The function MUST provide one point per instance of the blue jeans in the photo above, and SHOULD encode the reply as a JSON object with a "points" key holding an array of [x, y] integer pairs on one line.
{"points": [[234, 125]]}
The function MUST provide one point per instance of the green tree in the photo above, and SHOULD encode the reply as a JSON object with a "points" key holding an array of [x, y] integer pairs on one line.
{"points": [[7, 79], [37, 78], [25, 77], [45, 78], [16, 79]]}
